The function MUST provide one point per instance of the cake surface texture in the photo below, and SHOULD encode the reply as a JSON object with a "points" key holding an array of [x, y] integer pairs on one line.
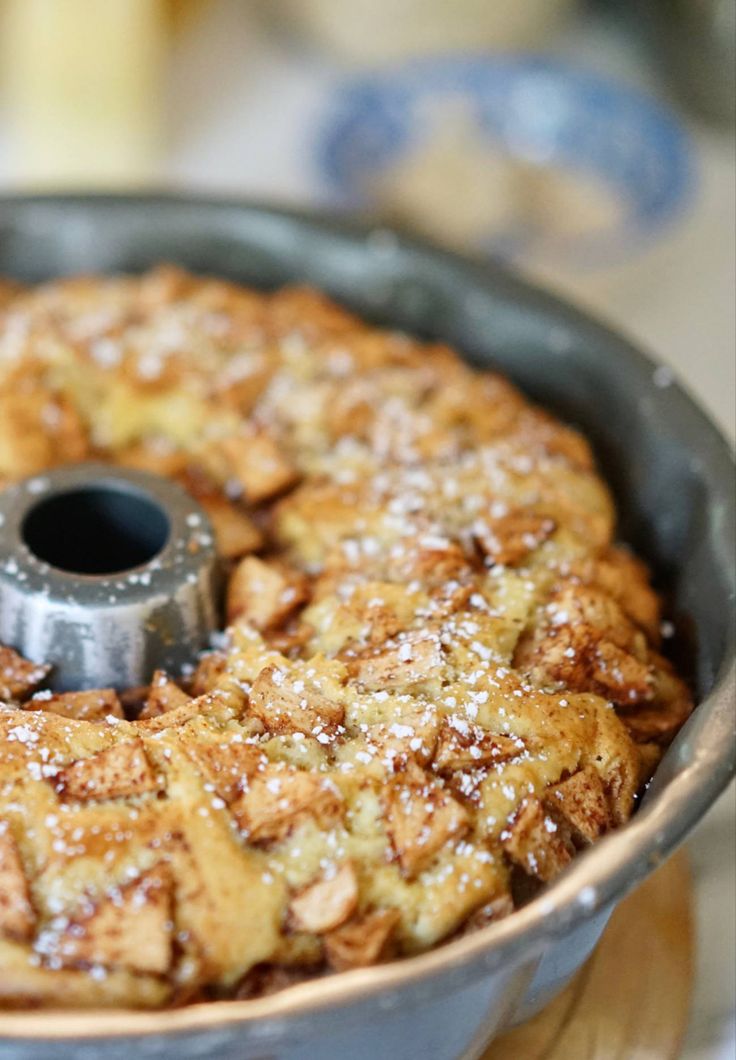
{"points": [[439, 676]]}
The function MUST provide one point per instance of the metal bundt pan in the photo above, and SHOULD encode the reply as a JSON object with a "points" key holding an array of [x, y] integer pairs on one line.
{"points": [[673, 476]]}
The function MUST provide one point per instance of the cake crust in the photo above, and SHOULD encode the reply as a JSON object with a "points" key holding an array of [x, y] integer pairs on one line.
{"points": [[440, 673]]}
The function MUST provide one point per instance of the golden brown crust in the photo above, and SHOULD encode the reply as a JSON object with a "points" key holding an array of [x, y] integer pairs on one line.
{"points": [[580, 802], [264, 595], [18, 676], [130, 928], [440, 671], [98, 704], [362, 941], [286, 706], [327, 903], [278, 799], [163, 695], [118, 772], [420, 819], [17, 918], [259, 465], [536, 843]]}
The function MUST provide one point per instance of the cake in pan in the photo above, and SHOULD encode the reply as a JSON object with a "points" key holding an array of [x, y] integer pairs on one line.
{"points": [[440, 676]]}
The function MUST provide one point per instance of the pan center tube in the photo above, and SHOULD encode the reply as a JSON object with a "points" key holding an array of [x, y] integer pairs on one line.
{"points": [[97, 529], [105, 573]]}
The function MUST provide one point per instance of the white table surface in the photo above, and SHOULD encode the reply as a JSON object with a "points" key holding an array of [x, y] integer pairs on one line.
{"points": [[243, 116]]}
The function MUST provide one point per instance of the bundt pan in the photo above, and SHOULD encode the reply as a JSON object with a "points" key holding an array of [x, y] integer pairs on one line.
{"points": [[673, 476]]}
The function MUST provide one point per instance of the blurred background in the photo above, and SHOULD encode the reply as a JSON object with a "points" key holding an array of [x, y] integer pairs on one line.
{"points": [[588, 143]]}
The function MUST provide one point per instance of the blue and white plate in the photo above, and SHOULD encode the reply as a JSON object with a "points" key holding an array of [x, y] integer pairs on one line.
{"points": [[537, 113]]}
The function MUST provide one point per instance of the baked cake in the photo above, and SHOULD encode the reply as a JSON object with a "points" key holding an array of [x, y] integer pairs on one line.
{"points": [[440, 677]]}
